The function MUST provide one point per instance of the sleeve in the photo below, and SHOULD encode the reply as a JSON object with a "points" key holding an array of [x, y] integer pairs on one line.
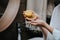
{"points": [[56, 34], [50, 36]]}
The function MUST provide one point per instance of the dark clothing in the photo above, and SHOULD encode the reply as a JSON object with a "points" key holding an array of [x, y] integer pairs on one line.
{"points": [[10, 33]]}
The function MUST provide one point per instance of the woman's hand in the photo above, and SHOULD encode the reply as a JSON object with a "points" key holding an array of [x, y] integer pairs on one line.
{"points": [[35, 20]]}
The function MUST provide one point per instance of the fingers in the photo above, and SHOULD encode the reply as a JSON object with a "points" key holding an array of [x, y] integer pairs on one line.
{"points": [[35, 16], [29, 19], [24, 14], [32, 23], [35, 24]]}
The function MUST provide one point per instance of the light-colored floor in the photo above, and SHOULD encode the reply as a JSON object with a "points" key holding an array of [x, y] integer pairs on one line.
{"points": [[37, 38]]}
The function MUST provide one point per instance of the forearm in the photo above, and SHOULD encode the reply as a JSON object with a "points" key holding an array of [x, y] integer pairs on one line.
{"points": [[45, 28], [48, 27], [44, 31]]}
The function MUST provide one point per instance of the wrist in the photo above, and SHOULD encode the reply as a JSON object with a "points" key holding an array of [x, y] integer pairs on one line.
{"points": [[49, 28], [42, 23]]}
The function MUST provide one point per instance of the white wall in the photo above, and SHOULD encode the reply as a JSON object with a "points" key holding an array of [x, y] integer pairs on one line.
{"points": [[39, 6]]}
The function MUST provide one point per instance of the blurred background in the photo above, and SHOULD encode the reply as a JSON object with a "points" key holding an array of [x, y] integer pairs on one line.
{"points": [[18, 29]]}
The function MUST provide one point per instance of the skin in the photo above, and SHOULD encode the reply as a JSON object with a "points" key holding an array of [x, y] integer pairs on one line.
{"points": [[9, 14], [42, 24]]}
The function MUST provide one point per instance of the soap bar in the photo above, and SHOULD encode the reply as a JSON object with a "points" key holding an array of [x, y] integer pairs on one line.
{"points": [[28, 13]]}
